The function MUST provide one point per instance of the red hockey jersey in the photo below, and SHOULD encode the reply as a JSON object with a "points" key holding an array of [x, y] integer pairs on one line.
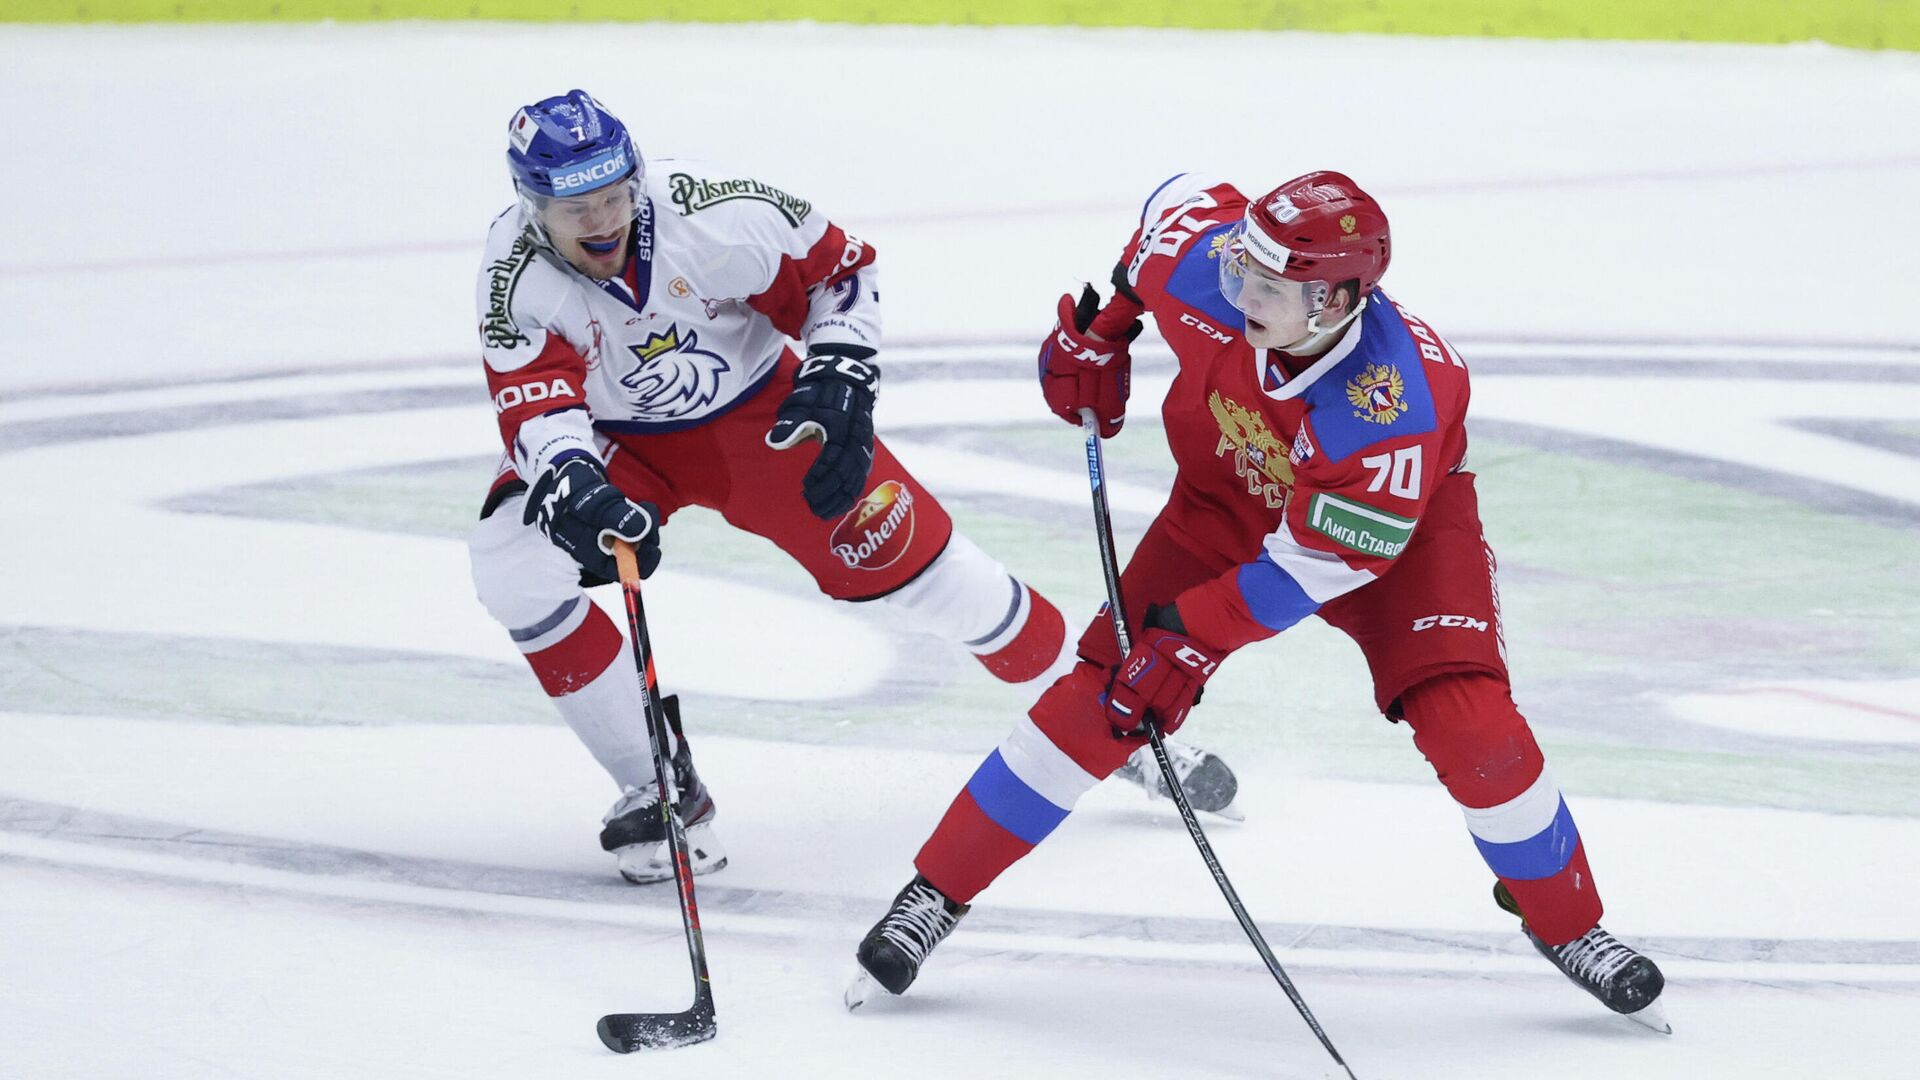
{"points": [[1313, 483]]}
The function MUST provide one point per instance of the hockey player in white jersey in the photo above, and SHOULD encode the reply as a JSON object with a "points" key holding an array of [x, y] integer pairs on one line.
{"points": [[637, 321]]}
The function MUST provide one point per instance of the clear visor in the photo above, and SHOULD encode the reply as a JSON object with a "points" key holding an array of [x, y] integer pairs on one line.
{"points": [[600, 214], [1262, 294]]}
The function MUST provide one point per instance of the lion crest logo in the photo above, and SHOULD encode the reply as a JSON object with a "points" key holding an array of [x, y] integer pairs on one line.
{"points": [[674, 376], [1378, 394]]}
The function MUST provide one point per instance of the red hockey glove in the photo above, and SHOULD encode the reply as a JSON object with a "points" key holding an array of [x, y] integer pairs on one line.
{"points": [[1163, 675], [1079, 370]]}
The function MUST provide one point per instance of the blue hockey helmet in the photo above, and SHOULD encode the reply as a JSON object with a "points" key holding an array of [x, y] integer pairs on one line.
{"points": [[569, 145]]}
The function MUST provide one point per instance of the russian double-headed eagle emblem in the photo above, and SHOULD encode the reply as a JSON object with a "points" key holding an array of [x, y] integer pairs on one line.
{"points": [[1246, 430], [1378, 394]]}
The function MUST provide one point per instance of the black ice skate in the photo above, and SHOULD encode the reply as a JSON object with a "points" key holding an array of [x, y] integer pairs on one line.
{"points": [[636, 832], [1210, 785], [898, 944], [1602, 965]]}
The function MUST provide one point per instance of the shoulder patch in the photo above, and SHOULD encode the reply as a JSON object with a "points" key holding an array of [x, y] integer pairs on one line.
{"points": [[1195, 280], [1378, 393], [498, 328], [693, 194]]}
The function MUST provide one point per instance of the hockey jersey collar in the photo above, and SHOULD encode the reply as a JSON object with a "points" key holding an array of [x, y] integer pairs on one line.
{"points": [[635, 281], [1272, 379]]}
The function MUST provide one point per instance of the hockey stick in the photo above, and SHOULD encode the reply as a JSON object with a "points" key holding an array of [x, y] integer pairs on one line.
{"points": [[1110, 566], [626, 1032]]}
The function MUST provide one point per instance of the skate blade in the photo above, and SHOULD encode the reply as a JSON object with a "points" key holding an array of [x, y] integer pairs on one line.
{"points": [[1654, 1017], [862, 989], [648, 864], [1231, 812]]}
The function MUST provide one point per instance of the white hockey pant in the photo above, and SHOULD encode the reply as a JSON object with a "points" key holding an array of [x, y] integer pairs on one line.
{"points": [[533, 590]]}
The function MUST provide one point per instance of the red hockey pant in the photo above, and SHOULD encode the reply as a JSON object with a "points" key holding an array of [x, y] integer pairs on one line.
{"points": [[1430, 632]]}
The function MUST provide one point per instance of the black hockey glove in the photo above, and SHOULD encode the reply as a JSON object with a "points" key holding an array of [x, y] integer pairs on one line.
{"points": [[582, 514], [832, 400]]}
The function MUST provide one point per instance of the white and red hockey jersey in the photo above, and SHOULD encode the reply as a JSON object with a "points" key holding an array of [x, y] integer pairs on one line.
{"points": [[723, 270]]}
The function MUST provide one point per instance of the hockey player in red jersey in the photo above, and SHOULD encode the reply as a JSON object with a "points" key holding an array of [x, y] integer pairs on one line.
{"points": [[636, 321], [1317, 428]]}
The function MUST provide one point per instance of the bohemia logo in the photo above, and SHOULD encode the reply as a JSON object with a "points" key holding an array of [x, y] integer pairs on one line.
{"points": [[875, 533], [1378, 394]]}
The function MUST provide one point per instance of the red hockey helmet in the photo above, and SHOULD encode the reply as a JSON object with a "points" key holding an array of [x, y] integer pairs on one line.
{"points": [[1313, 247], [1320, 227]]}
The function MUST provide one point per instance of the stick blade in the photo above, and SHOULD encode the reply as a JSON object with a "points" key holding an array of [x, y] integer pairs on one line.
{"points": [[623, 1033]]}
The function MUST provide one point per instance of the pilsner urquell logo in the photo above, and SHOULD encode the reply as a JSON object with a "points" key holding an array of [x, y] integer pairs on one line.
{"points": [[876, 532]]}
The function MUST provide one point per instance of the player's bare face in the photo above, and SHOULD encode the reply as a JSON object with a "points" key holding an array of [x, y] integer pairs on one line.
{"points": [[1278, 311], [590, 231]]}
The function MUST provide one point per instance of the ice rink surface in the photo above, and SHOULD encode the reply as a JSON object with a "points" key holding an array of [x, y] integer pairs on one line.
{"points": [[277, 800]]}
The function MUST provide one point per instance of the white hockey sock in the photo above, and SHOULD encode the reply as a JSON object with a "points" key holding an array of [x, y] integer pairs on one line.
{"points": [[583, 663], [605, 715]]}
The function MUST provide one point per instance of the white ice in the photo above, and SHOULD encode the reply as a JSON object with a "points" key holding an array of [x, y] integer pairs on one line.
{"points": [[210, 219]]}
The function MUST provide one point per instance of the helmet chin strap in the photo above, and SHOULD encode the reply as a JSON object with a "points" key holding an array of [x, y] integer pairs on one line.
{"points": [[1319, 337]]}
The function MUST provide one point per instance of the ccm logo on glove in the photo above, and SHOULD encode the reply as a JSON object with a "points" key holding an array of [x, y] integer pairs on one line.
{"points": [[1162, 675], [1080, 369], [1082, 353], [574, 506], [831, 403]]}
